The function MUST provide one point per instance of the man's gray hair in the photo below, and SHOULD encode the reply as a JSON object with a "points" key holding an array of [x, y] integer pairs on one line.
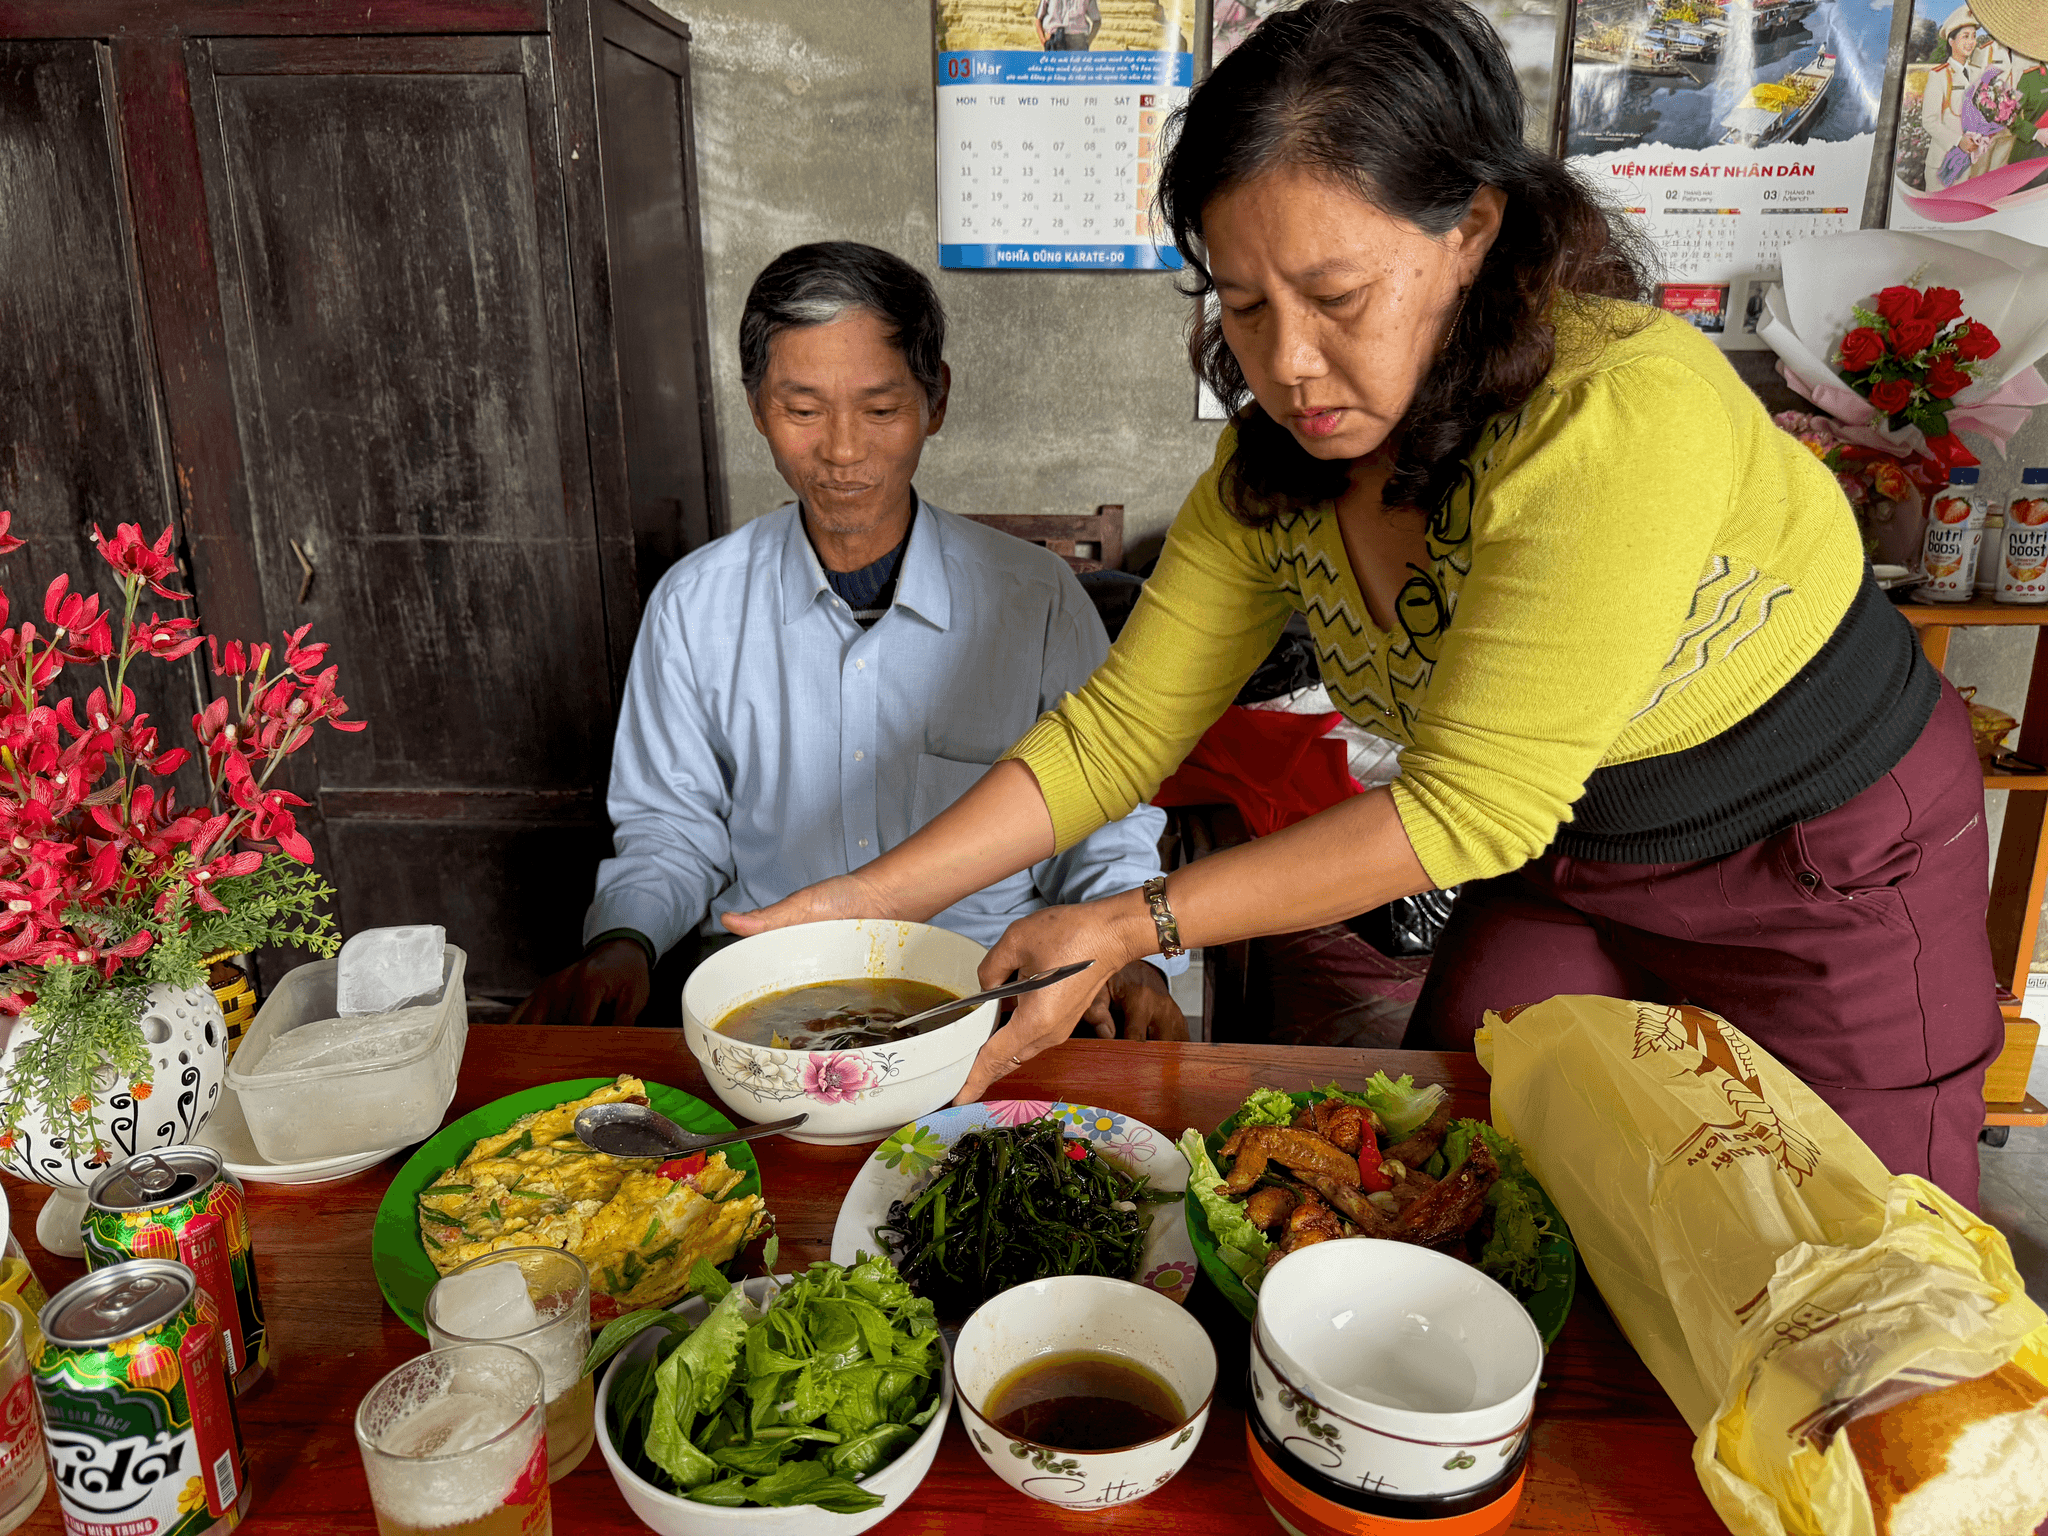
{"points": [[817, 284]]}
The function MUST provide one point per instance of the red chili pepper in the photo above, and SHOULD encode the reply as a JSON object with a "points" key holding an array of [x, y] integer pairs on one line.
{"points": [[1077, 1151], [1369, 1173], [680, 1168]]}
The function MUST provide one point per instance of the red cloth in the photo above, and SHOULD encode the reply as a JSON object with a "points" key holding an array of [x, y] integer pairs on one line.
{"points": [[1276, 768]]}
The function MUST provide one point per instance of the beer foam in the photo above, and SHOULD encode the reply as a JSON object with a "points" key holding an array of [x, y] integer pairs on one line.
{"points": [[466, 1476]]}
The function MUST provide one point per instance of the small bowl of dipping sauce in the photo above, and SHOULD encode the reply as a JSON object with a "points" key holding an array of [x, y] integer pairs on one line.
{"points": [[1084, 1392], [1396, 1370]]}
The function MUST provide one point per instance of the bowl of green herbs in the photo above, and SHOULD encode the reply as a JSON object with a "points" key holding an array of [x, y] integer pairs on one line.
{"points": [[811, 1405]]}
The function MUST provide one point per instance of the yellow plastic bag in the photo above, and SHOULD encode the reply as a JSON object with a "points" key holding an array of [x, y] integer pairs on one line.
{"points": [[1771, 1273]]}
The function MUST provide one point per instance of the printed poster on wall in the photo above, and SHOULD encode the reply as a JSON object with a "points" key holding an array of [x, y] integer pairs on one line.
{"points": [[1049, 114], [1527, 28], [1973, 148], [1727, 131]]}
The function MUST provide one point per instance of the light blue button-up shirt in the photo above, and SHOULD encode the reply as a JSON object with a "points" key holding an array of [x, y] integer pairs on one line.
{"points": [[768, 742]]}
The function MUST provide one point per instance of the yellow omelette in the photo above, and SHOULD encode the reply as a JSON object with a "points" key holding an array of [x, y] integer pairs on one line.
{"points": [[639, 1231]]}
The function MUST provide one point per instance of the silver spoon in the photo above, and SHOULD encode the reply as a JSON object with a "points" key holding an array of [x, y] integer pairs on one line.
{"points": [[638, 1130], [1007, 989]]}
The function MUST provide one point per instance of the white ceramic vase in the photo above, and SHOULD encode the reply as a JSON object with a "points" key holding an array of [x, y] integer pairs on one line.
{"points": [[187, 1041]]}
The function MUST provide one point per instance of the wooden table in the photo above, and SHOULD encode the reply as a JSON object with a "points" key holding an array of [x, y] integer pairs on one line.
{"points": [[1610, 1456]]}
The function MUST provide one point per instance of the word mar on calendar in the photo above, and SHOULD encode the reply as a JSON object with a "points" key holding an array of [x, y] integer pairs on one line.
{"points": [[1049, 118], [1727, 129]]}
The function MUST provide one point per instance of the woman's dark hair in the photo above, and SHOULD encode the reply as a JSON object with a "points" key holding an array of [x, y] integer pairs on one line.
{"points": [[816, 284], [1413, 104]]}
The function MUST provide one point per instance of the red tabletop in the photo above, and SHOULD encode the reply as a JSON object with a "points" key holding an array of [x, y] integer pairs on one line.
{"points": [[1610, 1454]]}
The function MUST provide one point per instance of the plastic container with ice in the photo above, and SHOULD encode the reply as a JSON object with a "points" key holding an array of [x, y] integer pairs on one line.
{"points": [[314, 1086]]}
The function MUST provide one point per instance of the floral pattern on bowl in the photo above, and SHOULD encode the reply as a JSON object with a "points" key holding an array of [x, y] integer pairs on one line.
{"points": [[906, 1157], [826, 1077]]}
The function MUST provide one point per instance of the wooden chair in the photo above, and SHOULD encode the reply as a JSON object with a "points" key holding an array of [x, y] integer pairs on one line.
{"points": [[1087, 543]]}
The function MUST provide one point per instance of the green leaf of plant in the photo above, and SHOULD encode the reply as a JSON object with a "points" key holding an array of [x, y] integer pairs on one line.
{"points": [[707, 1282], [623, 1330], [867, 1453]]}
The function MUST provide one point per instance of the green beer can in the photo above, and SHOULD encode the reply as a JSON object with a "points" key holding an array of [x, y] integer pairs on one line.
{"points": [[182, 1203], [133, 1384]]}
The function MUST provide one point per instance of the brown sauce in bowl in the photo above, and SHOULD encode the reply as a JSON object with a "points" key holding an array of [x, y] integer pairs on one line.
{"points": [[837, 1015], [1084, 1400]]}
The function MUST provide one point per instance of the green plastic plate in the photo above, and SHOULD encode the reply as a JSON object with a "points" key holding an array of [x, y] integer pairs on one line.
{"points": [[1557, 1259], [404, 1272]]}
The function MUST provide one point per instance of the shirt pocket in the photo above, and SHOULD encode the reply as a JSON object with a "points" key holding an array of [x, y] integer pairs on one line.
{"points": [[940, 782]]}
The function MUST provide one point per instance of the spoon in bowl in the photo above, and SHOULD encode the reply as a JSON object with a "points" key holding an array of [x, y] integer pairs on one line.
{"points": [[639, 1130]]}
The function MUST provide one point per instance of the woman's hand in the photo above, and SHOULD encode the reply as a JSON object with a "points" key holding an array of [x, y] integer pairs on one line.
{"points": [[840, 896], [1112, 933]]}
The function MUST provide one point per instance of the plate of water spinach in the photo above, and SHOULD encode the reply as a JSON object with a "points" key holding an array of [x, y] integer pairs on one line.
{"points": [[980, 1197]]}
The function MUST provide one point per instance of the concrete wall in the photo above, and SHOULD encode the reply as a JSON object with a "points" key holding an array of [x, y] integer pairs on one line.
{"points": [[814, 121]]}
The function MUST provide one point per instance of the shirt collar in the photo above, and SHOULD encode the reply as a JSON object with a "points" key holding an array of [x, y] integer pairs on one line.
{"points": [[920, 580]]}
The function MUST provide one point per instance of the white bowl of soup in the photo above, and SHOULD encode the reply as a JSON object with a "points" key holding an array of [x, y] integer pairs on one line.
{"points": [[797, 1021]]}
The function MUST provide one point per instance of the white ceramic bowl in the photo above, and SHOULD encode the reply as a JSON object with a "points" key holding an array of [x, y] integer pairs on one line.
{"points": [[851, 1096], [1066, 1313], [1396, 1369], [672, 1515]]}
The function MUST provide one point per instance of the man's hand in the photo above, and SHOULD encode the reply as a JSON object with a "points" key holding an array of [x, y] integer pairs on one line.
{"points": [[613, 977], [1137, 1004]]}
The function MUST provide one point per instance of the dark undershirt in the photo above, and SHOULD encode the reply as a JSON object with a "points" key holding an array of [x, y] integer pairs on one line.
{"points": [[1841, 724], [869, 591]]}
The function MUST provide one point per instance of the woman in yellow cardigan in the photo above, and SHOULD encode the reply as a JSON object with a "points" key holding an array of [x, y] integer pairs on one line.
{"points": [[1654, 716]]}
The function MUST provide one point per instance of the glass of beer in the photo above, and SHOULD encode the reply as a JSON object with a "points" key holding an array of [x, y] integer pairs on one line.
{"points": [[453, 1444], [538, 1300]]}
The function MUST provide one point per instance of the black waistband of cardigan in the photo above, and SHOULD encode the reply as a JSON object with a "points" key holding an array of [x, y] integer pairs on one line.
{"points": [[1842, 722]]}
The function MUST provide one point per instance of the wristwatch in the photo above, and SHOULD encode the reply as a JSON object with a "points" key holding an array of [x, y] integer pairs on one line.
{"points": [[1163, 919]]}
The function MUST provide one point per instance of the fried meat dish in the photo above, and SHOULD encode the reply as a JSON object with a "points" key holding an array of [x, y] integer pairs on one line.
{"points": [[1302, 1184]]}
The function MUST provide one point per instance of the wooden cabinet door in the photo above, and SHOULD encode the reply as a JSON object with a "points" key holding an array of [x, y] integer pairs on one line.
{"points": [[81, 432], [386, 216], [657, 285]]}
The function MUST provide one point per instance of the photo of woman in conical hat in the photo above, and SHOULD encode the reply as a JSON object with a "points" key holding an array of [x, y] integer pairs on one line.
{"points": [[1972, 120]]}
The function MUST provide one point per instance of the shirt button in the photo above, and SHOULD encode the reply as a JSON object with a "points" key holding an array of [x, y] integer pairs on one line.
{"points": [[863, 842], [858, 756], [860, 666]]}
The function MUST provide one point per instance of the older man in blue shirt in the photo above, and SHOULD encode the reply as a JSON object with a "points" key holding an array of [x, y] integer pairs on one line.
{"points": [[810, 690]]}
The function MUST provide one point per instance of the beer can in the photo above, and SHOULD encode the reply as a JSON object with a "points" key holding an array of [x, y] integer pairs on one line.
{"points": [[2023, 572], [133, 1386], [182, 1203], [1955, 528]]}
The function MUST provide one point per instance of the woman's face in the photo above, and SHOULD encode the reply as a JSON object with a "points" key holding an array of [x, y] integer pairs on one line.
{"points": [[1962, 43], [1333, 308]]}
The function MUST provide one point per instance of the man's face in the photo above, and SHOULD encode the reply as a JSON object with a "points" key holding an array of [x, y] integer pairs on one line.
{"points": [[845, 421]]}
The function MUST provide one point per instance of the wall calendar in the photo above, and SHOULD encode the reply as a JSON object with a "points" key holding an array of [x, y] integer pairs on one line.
{"points": [[1049, 118]]}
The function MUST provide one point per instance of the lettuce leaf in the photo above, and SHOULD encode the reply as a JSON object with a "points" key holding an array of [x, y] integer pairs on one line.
{"points": [[1241, 1245], [1267, 1106], [1521, 1210]]}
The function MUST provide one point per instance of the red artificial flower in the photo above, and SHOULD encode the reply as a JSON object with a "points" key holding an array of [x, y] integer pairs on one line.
{"points": [[1973, 339], [1898, 304], [1941, 305], [170, 639], [1892, 396], [1861, 348], [1912, 337], [1945, 378], [134, 558], [8, 542]]}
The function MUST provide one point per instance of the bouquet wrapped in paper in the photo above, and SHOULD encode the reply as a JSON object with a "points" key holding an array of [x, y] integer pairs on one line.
{"points": [[1959, 355]]}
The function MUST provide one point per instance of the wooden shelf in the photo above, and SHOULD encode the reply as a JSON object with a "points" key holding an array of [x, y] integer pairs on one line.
{"points": [[2029, 1111], [1972, 614], [2029, 781]]}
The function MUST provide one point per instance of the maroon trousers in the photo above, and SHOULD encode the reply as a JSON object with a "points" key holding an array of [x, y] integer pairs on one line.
{"points": [[1851, 947]]}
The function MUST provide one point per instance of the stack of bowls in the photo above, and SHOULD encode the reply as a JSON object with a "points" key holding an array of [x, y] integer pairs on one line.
{"points": [[1392, 1391]]}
